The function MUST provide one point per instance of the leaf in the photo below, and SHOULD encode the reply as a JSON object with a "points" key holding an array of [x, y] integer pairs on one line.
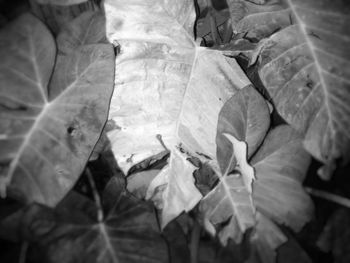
{"points": [[180, 194], [335, 236], [61, 2], [88, 28], [230, 202], [58, 14], [245, 116], [265, 240], [168, 90], [48, 130], [70, 233], [304, 63], [280, 166], [138, 183]]}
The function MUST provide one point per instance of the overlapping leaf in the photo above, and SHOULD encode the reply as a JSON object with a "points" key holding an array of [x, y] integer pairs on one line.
{"points": [[304, 64], [70, 233], [245, 117], [50, 119], [265, 240], [168, 90], [281, 165]]}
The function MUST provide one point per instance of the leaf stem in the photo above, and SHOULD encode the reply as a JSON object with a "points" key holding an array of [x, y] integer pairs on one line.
{"points": [[194, 242], [213, 26], [329, 196], [96, 195], [23, 252]]}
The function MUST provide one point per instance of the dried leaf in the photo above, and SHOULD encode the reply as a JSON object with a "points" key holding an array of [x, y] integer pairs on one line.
{"points": [[281, 165], [169, 91], [304, 63], [180, 194], [48, 130]]}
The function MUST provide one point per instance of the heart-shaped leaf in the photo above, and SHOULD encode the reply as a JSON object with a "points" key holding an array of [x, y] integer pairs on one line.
{"points": [[70, 233], [245, 116], [281, 165], [168, 91], [304, 64], [48, 130]]}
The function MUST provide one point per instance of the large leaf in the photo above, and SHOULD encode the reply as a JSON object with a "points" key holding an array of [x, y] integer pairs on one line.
{"points": [[168, 90], [71, 233], [48, 130], [230, 202], [281, 165], [88, 28], [304, 64], [242, 125]]}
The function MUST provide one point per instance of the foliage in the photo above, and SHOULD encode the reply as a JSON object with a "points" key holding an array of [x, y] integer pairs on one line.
{"points": [[184, 142]]}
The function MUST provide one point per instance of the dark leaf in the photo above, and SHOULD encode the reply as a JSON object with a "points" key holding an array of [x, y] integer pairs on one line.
{"points": [[336, 236], [48, 130], [129, 233]]}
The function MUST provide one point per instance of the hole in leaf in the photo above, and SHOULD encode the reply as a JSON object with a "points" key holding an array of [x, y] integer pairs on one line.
{"points": [[70, 130]]}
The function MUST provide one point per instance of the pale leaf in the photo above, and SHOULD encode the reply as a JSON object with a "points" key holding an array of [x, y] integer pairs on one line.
{"points": [[180, 194], [168, 90]]}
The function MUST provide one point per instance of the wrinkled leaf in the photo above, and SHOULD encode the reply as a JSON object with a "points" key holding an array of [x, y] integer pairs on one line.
{"points": [[230, 202], [281, 165], [48, 130], [168, 90], [180, 194], [129, 233], [303, 58]]}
